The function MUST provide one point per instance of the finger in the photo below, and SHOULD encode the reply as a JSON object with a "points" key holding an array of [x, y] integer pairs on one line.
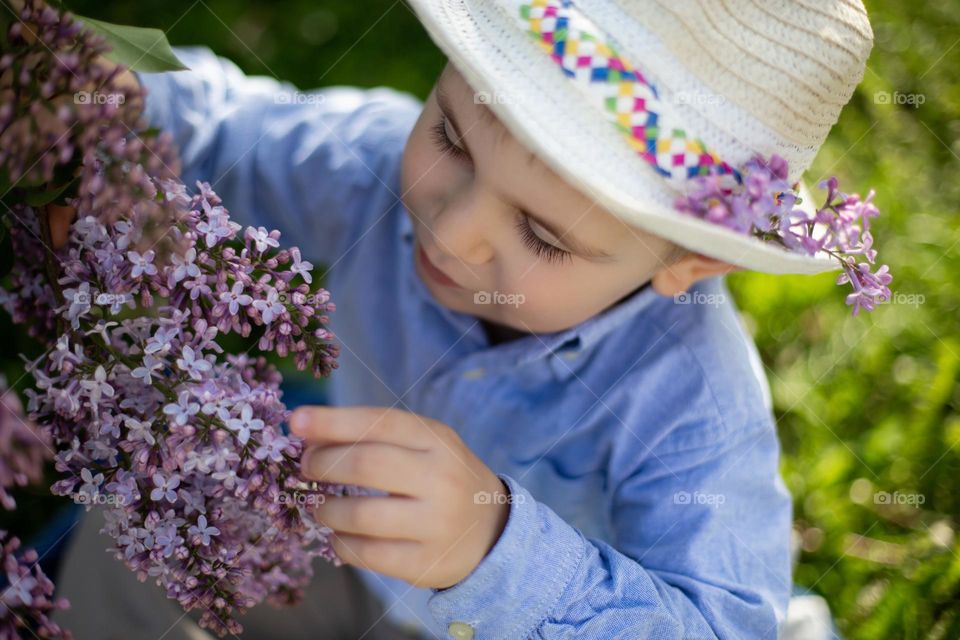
{"points": [[369, 464], [327, 425], [389, 557], [60, 220], [394, 517]]}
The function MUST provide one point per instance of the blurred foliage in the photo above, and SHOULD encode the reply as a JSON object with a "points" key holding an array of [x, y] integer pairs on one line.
{"points": [[868, 407]]}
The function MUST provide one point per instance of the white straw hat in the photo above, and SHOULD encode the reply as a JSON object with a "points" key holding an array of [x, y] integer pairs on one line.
{"points": [[740, 78]]}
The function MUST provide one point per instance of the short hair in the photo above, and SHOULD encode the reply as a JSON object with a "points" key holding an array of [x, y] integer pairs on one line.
{"points": [[674, 254]]}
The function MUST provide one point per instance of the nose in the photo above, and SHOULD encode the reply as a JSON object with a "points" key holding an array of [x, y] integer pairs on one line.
{"points": [[464, 228]]}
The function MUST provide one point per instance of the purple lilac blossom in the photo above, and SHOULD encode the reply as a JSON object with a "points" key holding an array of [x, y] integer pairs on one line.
{"points": [[761, 202], [27, 600], [23, 447], [180, 443]]}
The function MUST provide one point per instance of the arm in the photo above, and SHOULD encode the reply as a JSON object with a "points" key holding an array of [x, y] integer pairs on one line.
{"points": [[302, 163], [701, 551]]}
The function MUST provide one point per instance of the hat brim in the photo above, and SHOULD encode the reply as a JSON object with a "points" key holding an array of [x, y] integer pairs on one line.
{"points": [[534, 100]]}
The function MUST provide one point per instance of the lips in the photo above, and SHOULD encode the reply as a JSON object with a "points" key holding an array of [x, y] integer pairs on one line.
{"points": [[434, 272]]}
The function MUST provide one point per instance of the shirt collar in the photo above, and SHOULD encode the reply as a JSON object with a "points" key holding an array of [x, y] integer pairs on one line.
{"points": [[534, 346]]}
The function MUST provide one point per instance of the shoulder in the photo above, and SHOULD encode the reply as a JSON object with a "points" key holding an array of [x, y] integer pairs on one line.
{"points": [[693, 377]]}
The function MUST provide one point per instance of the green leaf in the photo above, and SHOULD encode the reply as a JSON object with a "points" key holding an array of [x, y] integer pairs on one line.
{"points": [[137, 48], [46, 196]]}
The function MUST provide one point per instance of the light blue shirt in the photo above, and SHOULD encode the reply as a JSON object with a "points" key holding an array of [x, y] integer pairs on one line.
{"points": [[638, 446]]}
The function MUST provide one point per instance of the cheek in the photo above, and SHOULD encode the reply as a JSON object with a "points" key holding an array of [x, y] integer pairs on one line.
{"points": [[553, 297], [424, 171], [415, 165]]}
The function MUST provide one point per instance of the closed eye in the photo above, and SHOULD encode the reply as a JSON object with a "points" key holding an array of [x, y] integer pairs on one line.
{"points": [[540, 247], [443, 142]]}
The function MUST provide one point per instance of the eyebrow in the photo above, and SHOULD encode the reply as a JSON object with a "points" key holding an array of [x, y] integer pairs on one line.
{"points": [[570, 241]]}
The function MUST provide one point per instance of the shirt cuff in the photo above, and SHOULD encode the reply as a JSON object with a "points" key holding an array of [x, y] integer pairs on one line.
{"points": [[521, 579]]}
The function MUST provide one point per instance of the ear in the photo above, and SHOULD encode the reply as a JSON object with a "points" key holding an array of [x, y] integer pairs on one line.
{"points": [[684, 273]]}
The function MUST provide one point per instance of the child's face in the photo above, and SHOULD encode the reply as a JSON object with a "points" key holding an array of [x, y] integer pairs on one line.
{"points": [[521, 246]]}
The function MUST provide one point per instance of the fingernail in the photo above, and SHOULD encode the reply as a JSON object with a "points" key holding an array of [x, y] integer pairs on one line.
{"points": [[305, 462], [298, 421]]}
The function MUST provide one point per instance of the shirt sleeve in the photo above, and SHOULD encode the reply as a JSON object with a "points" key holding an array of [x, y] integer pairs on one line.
{"points": [[308, 164], [701, 551]]}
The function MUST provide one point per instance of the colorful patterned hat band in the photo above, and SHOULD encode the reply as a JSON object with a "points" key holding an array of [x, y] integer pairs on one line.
{"points": [[627, 98]]}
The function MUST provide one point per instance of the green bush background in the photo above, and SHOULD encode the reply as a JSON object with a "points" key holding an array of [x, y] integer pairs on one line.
{"points": [[864, 405]]}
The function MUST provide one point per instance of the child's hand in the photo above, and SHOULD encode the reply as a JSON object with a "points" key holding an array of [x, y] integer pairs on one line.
{"points": [[60, 220], [446, 509]]}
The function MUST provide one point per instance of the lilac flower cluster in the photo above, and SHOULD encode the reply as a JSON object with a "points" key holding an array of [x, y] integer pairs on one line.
{"points": [[759, 200], [182, 447], [27, 598], [69, 128], [181, 444], [23, 447]]}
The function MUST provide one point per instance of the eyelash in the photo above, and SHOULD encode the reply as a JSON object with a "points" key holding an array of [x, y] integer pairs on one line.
{"points": [[540, 247], [443, 142]]}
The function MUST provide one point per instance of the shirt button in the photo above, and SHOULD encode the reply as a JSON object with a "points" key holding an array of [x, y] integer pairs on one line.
{"points": [[473, 374], [460, 630]]}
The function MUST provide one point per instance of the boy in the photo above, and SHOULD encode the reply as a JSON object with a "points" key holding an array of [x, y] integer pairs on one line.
{"points": [[571, 428]]}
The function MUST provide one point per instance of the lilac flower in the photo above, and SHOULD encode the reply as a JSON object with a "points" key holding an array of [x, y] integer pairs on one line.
{"points": [[213, 401], [262, 239], [245, 423], [759, 201], [140, 431], [217, 225], [124, 487], [79, 300], [145, 373], [202, 531], [235, 298], [142, 264], [124, 231], [182, 410], [23, 447], [165, 488], [228, 477], [97, 387], [115, 300], [194, 502], [223, 458], [28, 600], [161, 341], [174, 433], [272, 447], [197, 287], [269, 307], [192, 363], [301, 267], [91, 484], [183, 267], [20, 592], [167, 539], [868, 288]]}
